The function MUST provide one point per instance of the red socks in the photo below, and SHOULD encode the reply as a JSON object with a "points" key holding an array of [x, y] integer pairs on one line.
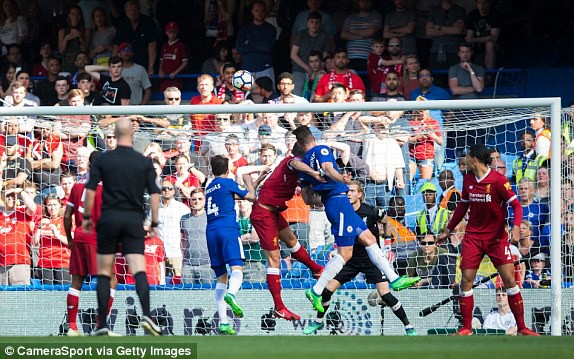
{"points": [[72, 302], [467, 309], [517, 308], [303, 256], [274, 285]]}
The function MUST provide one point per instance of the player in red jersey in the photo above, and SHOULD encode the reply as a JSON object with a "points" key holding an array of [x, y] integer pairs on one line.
{"points": [[266, 218], [486, 193], [83, 246]]}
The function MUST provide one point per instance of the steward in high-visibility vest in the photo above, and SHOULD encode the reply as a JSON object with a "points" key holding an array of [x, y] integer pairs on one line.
{"points": [[527, 166], [433, 218], [450, 196]]}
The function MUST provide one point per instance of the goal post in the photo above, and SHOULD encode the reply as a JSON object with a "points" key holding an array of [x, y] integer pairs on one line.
{"points": [[490, 115]]}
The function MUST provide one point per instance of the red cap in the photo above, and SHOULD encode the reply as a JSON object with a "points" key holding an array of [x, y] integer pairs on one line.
{"points": [[171, 26], [126, 45]]}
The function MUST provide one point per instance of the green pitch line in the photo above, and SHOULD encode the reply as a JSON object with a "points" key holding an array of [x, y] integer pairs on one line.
{"points": [[340, 347]]}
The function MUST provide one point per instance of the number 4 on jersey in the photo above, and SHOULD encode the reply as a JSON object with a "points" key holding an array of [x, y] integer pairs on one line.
{"points": [[212, 207]]}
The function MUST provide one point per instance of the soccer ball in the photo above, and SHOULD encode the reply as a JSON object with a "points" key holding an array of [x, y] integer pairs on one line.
{"points": [[242, 80]]}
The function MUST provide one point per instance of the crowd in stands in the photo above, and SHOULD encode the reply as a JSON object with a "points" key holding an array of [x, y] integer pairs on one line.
{"points": [[105, 55]]}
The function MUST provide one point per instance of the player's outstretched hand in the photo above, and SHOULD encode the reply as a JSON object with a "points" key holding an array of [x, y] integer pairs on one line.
{"points": [[515, 233], [347, 178]]}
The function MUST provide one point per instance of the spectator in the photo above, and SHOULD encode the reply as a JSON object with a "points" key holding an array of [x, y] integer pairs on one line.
{"points": [[17, 232], [62, 86], [45, 88], [11, 127], [327, 23], [410, 80], [102, 37], [453, 243], [18, 96], [537, 272], [340, 74], [46, 157], [359, 30], [80, 62], [8, 77], [396, 211], [67, 181], [218, 20], [383, 155], [450, 196], [306, 41], [42, 68], [170, 214], [14, 56], [235, 157], [402, 23], [465, 79], [135, 75], [541, 126], [428, 89], [227, 93], [306, 119], [535, 212], [501, 319], [286, 84], [54, 254], [543, 185], [499, 166], [254, 267], [154, 252], [85, 84], [220, 57], [529, 162], [13, 27], [204, 124], [196, 266], [483, 26], [445, 26], [111, 141], [527, 247], [15, 169], [255, 41], [392, 82], [263, 89], [82, 164], [214, 142], [72, 39], [186, 178], [315, 63], [140, 31], [173, 58], [347, 126], [23, 76], [432, 263], [115, 90], [426, 132], [433, 218]]}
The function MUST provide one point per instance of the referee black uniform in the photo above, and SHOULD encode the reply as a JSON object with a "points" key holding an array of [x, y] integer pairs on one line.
{"points": [[126, 175]]}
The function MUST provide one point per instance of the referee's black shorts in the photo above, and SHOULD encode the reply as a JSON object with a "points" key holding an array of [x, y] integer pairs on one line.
{"points": [[365, 266], [125, 227]]}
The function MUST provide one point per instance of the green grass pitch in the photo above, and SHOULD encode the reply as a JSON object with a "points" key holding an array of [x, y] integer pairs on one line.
{"points": [[343, 347]]}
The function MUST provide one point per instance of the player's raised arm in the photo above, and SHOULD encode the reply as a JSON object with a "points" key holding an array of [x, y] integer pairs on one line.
{"points": [[301, 167], [333, 174]]}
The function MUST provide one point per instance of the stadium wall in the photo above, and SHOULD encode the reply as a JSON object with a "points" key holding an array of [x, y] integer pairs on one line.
{"points": [[41, 313]]}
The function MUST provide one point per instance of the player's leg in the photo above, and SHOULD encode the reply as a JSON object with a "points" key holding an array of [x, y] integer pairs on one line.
{"points": [[515, 301], [396, 306], [233, 256], [326, 295], [380, 260], [105, 269], [471, 255], [73, 302], [274, 284], [298, 252], [82, 263], [220, 292]]}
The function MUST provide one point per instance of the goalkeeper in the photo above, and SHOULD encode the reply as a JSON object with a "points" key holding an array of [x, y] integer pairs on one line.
{"points": [[360, 263]]}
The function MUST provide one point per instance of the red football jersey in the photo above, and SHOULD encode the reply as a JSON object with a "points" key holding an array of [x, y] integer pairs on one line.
{"points": [[154, 255], [280, 186], [76, 201], [488, 198], [53, 253], [172, 56], [15, 236]]}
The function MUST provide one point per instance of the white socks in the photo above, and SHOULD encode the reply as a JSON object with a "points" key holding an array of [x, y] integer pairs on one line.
{"points": [[220, 289], [380, 260], [235, 281], [334, 266]]}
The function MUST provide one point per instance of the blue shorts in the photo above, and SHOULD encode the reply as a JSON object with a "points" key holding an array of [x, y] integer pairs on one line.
{"points": [[225, 247], [346, 225]]}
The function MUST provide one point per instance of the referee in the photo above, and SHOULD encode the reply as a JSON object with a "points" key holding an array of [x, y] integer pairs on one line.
{"points": [[125, 175]]}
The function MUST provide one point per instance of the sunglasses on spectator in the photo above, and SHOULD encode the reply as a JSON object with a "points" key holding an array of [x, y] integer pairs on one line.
{"points": [[167, 188], [222, 119], [110, 136], [394, 44], [173, 98], [425, 243]]}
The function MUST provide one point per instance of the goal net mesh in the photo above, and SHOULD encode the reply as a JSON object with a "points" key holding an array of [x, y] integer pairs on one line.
{"points": [[389, 152]]}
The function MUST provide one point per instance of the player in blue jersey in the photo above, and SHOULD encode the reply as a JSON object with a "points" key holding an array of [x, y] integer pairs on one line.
{"points": [[346, 225], [223, 239]]}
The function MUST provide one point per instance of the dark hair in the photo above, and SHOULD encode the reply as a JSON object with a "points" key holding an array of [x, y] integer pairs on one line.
{"points": [[228, 65], [265, 83], [481, 153], [303, 135], [84, 76], [393, 72], [219, 165], [429, 70], [465, 44], [267, 146], [232, 136], [297, 150], [340, 50], [314, 16], [285, 75], [338, 85], [315, 53], [63, 78], [394, 199], [115, 60]]}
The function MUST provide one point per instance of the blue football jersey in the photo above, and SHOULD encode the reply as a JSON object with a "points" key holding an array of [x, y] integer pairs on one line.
{"points": [[220, 202], [314, 158]]}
